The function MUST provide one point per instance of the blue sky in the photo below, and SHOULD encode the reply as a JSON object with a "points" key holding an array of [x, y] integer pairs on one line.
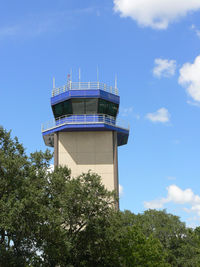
{"points": [[154, 49]]}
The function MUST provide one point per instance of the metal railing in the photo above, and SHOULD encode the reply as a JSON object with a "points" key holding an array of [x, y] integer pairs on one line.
{"points": [[84, 119], [84, 86]]}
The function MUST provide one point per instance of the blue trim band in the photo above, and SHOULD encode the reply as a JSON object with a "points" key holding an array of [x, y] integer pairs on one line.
{"points": [[85, 94], [80, 127], [122, 134]]}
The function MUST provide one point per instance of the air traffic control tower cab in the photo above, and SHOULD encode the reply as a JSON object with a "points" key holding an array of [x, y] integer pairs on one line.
{"points": [[85, 132]]}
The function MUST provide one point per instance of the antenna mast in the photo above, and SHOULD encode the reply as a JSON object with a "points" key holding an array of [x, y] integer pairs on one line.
{"points": [[116, 81], [79, 76], [97, 73], [71, 74]]}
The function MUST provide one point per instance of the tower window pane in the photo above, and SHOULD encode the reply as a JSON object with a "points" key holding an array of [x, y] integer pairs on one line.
{"points": [[112, 109], [103, 106], [67, 107], [78, 106], [106, 107], [91, 106], [62, 109], [57, 110]]}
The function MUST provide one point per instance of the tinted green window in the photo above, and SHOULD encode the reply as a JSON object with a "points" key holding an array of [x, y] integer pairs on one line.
{"points": [[67, 107], [112, 109], [84, 106], [62, 109], [91, 106], [78, 106], [57, 110], [103, 106], [106, 107]]}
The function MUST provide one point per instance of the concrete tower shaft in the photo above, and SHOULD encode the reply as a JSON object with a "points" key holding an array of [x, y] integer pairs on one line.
{"points": [[89, 150]]}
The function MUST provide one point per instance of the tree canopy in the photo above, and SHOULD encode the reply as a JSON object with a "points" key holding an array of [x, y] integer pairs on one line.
{"points": [[49, 218]]}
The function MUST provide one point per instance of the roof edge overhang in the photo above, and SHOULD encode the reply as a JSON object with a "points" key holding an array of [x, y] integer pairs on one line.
{"points": [[84, 94], [122, 134]]}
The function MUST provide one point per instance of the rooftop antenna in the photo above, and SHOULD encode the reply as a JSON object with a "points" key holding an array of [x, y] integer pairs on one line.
{"points": [[71, 74], [54, 83], [97, 73], [68, 77], [68, 81], [116, 81], [79, 75]]}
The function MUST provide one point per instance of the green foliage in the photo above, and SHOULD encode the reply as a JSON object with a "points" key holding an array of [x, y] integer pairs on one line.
{"points": [[51, 219], [180, 243], [43, 213], [138, 250], [22, 200], [129, 246]]}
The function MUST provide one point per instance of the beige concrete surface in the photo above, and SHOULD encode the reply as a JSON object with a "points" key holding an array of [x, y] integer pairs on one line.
{"points": [[84, 151]]}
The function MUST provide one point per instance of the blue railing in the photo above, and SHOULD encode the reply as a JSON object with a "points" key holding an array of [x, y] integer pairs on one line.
{"points": [[84, 86], [84, 119]]}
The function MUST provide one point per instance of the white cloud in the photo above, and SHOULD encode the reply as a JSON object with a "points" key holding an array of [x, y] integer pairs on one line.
{"points": [[190, 78], [137, 116], [161, 115], [177, 196], [196, 30], [126, 111], [26, 28], [171, 178], [120, 190], [155, 13], [164, 67], [193, 103], [36, 24], [196, 208], [155, 204]]}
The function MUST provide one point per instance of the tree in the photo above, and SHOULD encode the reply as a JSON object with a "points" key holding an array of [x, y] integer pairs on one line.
{"points": [[22, 200], [179, 242], [130, 247], [78, 205], [52, 219], [43, 213]]}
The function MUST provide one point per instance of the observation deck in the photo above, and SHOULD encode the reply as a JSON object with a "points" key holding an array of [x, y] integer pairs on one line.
{"points": [[85, 122], [85, 106]]}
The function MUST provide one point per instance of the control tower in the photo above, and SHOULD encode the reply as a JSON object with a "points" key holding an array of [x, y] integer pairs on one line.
{"points": [[85, 132]]}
